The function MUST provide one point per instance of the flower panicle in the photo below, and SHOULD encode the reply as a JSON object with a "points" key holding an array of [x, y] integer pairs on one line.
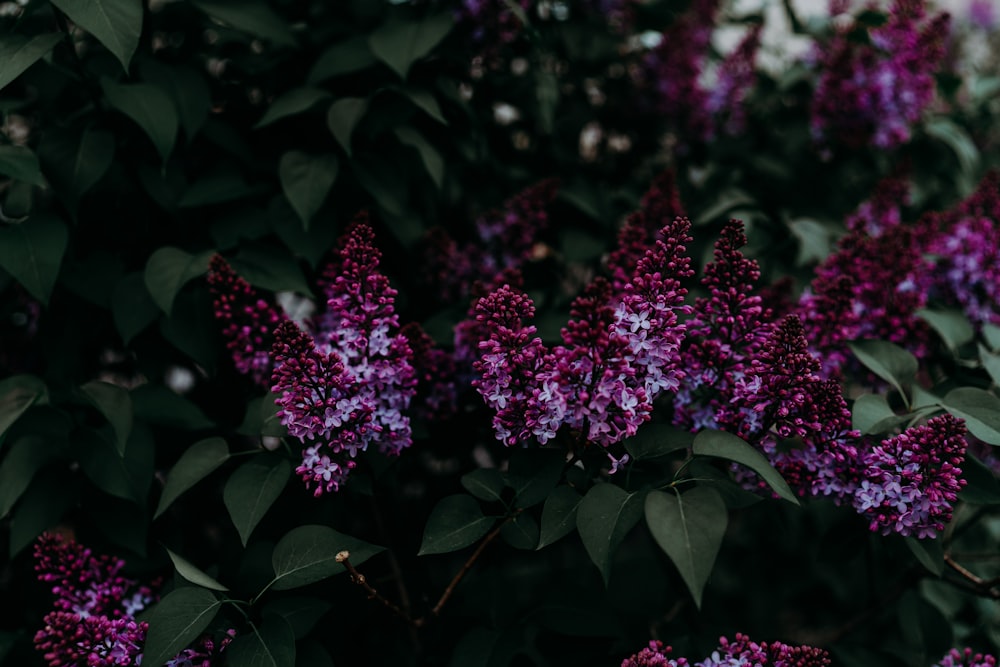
{"points": [[910, 482], [248, 320]]}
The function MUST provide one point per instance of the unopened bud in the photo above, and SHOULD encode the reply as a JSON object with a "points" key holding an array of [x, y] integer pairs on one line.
{"points": [[343, 555]]}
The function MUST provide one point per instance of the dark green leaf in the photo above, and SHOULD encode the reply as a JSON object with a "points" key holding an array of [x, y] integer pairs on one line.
{"points": [[92, 160], [295, 101], [217, 186], [17, 394], [159, 405], [485, 483], [720, 444], [558, 515], [689, 527], [193, 466], [19, 52], [814, 240], [424, 100], [21, 164], [262, 418], [948, 132], [32, 252], [887, 360], [116, 24], [725, 202], [270, 268], [533, 473], [343, 116], [870, 412], [193, 574], [982, 486], [188, 89], [251, 490], [431, 158], [309, 553], [351, 55], [306, 180], [980, 410], [604, 517], [991, 363], [475, 648], [991, 334], [311, 653], [150, 107], [132, 306], [42, 508], [103, 464], [930, 553], [250, 16], [176, 621], [521, 532], [455, 523], [400, 44], [272, 645], [116, 405], [25, 457], [655, 440], [168, 269], [301, 613], [952, 325]]}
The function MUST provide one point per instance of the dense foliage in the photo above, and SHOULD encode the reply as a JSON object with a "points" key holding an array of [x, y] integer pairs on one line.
{"points": [[499, 332]]}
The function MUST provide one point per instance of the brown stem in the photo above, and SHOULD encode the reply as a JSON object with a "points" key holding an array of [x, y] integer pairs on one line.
{"points": [[358, 578], [436, 611], [344, 559], [985, 587]]}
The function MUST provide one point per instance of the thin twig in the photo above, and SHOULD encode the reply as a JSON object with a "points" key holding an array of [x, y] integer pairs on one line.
{"points": [[985, 587], [344, 559], [469, 563]]}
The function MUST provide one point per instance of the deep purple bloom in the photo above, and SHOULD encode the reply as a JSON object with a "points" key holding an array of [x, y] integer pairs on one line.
{"points": [[248, 321], [727, 330], [742, 652], [872, 93], [618, 353], [966, 658], [911, 481], [71, 640]]}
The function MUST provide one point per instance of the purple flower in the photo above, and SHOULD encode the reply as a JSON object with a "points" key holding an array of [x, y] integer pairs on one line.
{"points": [[618, 353], [671, 70], [728, 328], [660, 205], [742, 652], [506, 238], [320, 401], [85, 584], [857, 294], [872, 93], [248, 321], [654, 655], [735, 77], [910, 481], [71, 640], [966, 658]]}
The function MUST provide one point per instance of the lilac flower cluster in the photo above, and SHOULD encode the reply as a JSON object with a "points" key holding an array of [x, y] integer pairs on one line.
{"points": [[911, 480], [738, 653], [872, 93], [727, 330], [347, 386], [616, 356], [857, 294], [248, 321], [965, 244], [674, 73], [966, 658], [94, 622], [660, 204], [506, 238], [492, 24]]}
